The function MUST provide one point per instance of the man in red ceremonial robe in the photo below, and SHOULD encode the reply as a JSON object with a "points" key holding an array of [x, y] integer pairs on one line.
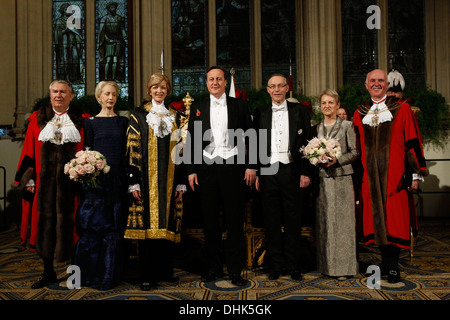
{"points": [[54, 135], [394, 164]]}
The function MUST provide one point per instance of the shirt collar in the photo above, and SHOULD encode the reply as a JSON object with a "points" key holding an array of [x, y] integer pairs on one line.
{"points": [[380, 101], [221, 100], [60, 113], [156, 104]]}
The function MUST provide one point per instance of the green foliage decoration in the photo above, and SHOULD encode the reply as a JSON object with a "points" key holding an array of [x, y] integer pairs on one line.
{"points": [[434, 116]]}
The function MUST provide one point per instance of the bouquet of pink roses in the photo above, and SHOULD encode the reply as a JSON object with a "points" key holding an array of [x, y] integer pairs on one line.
{"points": [[86, 166], [321, 150]]}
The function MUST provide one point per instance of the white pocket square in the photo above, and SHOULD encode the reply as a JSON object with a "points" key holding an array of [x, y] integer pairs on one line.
{"points": [[299, 131]]}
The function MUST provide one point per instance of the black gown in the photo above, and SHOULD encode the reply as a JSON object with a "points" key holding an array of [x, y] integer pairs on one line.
{"points": [[100, 218]]}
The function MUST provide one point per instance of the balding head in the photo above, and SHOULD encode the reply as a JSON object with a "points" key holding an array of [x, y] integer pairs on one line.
{"points": [[377, 84]]}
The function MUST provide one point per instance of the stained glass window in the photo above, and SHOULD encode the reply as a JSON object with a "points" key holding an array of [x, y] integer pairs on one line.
{"points": [[359, 43], [112, 43], [69, 44], [278, 38], [188, 46], [407, 41], [233, 39]]}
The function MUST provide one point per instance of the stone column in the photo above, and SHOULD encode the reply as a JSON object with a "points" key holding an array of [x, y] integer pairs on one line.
{"points": [[211, 34], [383, 37], [152, 35], [91, 47], [257, 80], [437, 46], [34, 55]]}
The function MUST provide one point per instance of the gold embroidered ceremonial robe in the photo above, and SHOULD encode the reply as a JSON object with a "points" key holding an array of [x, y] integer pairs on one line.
{"points": [[151, 166]]}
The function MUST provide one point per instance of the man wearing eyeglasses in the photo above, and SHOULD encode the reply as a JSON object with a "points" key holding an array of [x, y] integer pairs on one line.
{"points": [[285, 126]]}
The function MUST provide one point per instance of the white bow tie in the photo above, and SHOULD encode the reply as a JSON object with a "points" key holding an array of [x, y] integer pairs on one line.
{"points": [[276, 108], [219, 103]]}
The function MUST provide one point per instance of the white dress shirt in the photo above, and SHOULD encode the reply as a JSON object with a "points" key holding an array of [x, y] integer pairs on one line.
{"points": [[219, 146], [280, 135]]}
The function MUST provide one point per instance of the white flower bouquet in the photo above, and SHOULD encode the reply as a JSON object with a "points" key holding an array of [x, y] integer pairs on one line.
{"points": [[321, 150], [86, 166]]}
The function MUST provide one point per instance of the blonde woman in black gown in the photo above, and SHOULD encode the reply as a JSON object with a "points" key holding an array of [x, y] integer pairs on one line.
{"points": [[100, 218]]}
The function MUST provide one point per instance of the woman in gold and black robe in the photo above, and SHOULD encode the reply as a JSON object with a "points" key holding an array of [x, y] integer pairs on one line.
{"points": [[153, 182]]}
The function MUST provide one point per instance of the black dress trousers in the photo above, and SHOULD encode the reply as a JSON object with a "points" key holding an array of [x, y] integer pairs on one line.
{"points": [[222, 187], [281, 199]]}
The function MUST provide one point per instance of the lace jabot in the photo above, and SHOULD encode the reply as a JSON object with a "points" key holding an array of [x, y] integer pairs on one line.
{"points": [[59, 130], [378, 113], [160, 120]]}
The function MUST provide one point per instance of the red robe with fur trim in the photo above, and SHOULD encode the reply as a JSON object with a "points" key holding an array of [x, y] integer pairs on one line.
{"points": [[390, 153], [30, 168]]}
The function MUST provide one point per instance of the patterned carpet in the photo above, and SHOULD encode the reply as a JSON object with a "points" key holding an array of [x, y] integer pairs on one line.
{"points": [[425, 276]]}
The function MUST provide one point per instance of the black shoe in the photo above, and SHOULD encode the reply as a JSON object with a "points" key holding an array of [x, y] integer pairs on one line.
{"points": [[237, 280], [274, 275], [212, 275], [44, 281], [296, 275], [393, 276], [147, 286]]}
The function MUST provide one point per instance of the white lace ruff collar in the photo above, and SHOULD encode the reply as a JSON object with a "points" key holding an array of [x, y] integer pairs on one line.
{"points": [[60, 130], [378, 113], [160, 120]]}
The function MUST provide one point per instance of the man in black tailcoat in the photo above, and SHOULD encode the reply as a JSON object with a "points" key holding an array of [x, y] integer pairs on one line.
{"points": [[220, 170], [283, 128]]}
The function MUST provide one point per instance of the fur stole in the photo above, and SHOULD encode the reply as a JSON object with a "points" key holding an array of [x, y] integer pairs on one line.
{"points": [[56, 193]]}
